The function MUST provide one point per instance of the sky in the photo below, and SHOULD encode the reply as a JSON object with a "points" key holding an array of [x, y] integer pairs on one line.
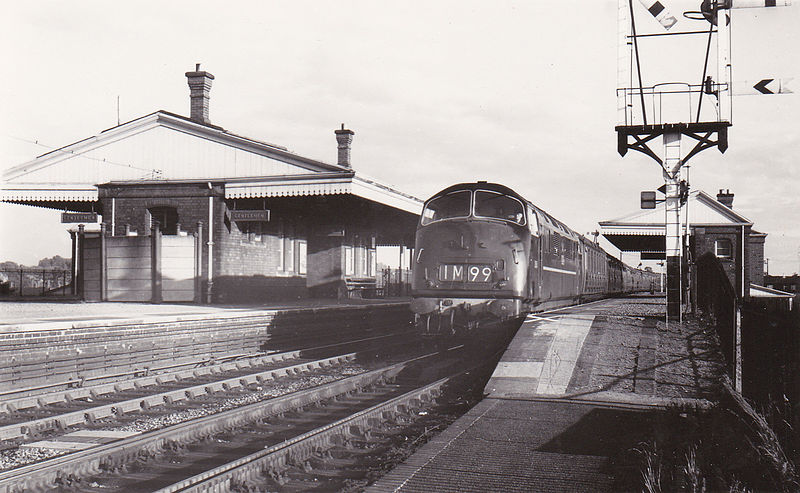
{"points": [[437, 92]]}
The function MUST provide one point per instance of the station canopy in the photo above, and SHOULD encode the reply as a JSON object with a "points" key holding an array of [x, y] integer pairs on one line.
{"points": [[643, 231]]}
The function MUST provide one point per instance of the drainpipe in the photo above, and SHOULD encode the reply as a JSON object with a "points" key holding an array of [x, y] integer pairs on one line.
{"points": [[210, 243]]}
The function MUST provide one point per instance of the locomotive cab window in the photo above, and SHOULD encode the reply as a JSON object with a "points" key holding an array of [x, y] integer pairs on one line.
{"points": [[498, 206], [455, 204]]}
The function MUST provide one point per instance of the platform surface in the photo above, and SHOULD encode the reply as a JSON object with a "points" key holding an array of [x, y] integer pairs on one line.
{"points": [[573, 393], [25, 313]]}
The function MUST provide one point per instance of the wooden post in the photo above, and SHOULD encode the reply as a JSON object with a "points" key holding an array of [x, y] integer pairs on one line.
{"points": [[103, 262], [155, 263], [74, 264], [80, 270]]}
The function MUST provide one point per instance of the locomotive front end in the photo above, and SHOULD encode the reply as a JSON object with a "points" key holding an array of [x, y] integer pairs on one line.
{"points": [[471, 259]]}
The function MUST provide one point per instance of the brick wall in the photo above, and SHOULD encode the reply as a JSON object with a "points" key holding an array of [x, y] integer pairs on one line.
{"points": [[704, 241], [755, 259], [249, 263]]}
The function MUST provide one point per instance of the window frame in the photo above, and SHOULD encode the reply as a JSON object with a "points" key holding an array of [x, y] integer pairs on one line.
{"points": [[721, 241], [475, 206], [471, 201]]}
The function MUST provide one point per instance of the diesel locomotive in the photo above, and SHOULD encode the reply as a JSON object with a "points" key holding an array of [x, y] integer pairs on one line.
{"points": [[485, 255]]}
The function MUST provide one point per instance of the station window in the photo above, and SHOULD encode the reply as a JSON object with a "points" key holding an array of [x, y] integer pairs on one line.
{"points": [[166, 217], [372, 263], [253, 231], [302, 255], [361, 259], [723, 248], [349, 261], [293, 250]]}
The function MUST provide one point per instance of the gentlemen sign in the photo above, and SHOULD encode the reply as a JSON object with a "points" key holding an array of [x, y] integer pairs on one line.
{"points": [[78, 217], [252, 216]]}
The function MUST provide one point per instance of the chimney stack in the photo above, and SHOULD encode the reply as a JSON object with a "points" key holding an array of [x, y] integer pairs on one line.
{"points": [[726, 198], [344, 138], [199, 89]]}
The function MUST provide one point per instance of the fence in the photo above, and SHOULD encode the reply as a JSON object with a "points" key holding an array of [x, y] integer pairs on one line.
{"points": [[771, 367], [394, 282], [768, 359], [717, 301], [35, 282]]}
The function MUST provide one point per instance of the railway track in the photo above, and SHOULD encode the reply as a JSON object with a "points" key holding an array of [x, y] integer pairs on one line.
{"points": [[228, 448], [27, 421]]}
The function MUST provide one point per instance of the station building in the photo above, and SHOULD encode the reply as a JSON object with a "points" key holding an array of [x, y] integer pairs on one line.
{"points": [[193, 212], [713, 227]]}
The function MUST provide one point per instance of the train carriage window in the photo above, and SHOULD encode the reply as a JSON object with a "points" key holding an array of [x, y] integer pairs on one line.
{"points": [[454, 204], [498, 206], [533, 221]]}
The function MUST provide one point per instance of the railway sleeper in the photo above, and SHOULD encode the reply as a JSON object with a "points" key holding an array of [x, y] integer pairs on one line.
{"points": [[152, 401], [229, 385], [168, 378], [249, 380], [145, 382], [65, 421], [35, 429], [74, 395], [175, 396], [93, 416], [195, 392], [125, 385]]}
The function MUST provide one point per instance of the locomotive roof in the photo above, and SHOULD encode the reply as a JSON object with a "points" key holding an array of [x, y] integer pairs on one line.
{"points": [[482, 185]]}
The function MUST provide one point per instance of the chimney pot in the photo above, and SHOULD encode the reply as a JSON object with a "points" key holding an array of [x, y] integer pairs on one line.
{"points": [[344, 138], [725, 198], [199, 94]]}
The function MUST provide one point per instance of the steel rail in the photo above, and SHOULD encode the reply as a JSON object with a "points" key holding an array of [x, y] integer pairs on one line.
{"points": [[249, 468], [79, 383], [44, 476], [63, 421]]}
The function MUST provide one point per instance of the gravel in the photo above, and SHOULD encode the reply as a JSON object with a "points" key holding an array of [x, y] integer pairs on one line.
{"points": [[10, 459]]}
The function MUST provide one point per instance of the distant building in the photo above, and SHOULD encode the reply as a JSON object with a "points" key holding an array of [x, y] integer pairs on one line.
{"points": [[788, 284], [713, 226]]}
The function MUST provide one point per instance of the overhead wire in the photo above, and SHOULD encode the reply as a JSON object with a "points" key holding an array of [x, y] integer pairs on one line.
{"points": [[152, 171]]}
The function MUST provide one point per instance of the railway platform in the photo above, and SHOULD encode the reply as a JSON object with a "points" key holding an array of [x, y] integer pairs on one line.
{"points": [[49, 344], [568, 401], [18, 314]]}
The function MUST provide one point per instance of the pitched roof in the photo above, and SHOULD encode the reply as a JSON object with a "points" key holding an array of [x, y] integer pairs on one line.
{"points": [[702, 208], [162, 147]]}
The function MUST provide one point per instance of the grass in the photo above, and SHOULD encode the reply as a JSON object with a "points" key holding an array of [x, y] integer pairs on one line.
{"points": [[730, 447]]}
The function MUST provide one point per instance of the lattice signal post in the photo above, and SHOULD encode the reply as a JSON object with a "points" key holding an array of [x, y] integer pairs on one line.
{"points": [[672, 110]]}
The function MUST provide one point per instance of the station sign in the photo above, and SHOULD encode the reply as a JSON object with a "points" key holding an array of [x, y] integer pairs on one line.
{"points": [[78, 217], [261, 216]]}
